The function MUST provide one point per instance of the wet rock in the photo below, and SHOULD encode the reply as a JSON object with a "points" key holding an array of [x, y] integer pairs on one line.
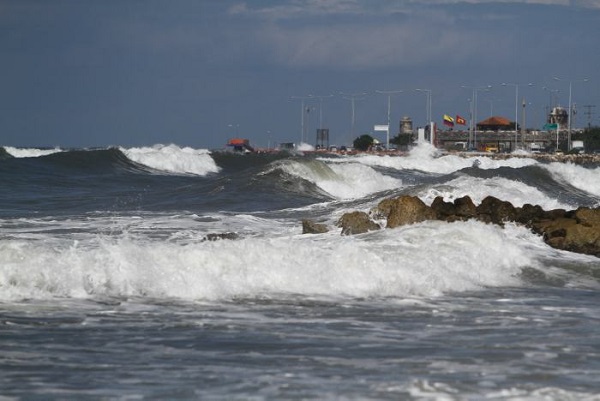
{"points": [[465, 208], [573, 230], [408, 210], [588, 217], [579, 233], [310, 227], [494, 210], [530, 213], [356, 223], [461, 209], [443, 209], [220, 236]]}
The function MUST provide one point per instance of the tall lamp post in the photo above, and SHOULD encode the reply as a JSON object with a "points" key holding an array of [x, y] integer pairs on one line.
{"points": [[516, 107], [302, 112], [320, 97], [389, 108], [352, 97], [428, 112], [474, 108], [491, 102], [569, 143]]}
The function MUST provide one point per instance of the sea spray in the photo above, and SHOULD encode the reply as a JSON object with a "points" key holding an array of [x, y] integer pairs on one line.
{"points": [[428, 159], [174, 159], [30, 152], [417, 260], [580, 177], [477, 189], [341, 181]]}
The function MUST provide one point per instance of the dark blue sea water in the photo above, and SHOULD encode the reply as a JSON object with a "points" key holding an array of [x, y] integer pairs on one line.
{"points": [[112, 287]]}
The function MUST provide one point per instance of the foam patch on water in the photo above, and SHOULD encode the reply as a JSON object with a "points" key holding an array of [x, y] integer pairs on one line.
{"points": [[174, 159], [477, 189], [580, 177], [342, 181], [428, 159], [424, 260], [30, 152]]}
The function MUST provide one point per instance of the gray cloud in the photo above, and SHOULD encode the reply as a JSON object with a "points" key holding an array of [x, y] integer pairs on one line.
{"points": [[375, 45], [306, 8]]}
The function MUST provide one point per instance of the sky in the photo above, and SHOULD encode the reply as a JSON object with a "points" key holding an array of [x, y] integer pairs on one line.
{"points": [[131, 73]]}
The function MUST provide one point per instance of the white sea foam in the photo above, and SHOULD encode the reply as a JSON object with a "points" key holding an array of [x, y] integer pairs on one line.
{"points": [[428, 159], [305, 147], [420, 389], [580, 177], [427, 259], [30, 152], [342, 181], [477, 189], [174, 159]]}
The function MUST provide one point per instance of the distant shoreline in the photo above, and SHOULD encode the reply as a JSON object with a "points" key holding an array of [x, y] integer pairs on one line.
{"points": [[547, 157], [584, 158]]}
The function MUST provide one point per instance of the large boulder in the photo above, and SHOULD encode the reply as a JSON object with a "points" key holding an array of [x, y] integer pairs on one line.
{"points": [[577, 231], [310, 227], [465, 208], [356, 223], [494, 210], [443, 210], [461, 209], [406, 210], [530, 213], [573, 230], [588, 217]]}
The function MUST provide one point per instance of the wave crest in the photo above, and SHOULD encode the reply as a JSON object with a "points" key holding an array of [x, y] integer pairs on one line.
{"points": [[173, 159]]}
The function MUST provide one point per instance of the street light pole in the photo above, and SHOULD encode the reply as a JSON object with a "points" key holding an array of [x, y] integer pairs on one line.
{"points": [[352, 97], [516, 107], [474, 108], [428, 113], [320, 97], [389, 108], [302, 111]]}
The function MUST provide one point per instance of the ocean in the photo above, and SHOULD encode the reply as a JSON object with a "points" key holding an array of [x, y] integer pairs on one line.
{"points": [[173, 273]]}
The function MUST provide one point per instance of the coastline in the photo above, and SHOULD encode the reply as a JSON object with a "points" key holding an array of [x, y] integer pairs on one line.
{"points": [[583, 158]]}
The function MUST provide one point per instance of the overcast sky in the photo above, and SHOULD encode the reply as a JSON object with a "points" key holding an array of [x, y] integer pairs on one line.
{"points": [[86, 73]]}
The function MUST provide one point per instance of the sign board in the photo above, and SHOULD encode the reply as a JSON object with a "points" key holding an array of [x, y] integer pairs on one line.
{"points": [[550, 126], [381, 128]]}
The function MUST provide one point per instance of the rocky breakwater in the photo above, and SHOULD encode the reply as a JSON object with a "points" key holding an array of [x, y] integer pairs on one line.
{"points": [[571, 230]]}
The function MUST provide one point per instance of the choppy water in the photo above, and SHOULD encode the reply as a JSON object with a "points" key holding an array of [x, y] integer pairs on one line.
{"points": [[110, 290]]}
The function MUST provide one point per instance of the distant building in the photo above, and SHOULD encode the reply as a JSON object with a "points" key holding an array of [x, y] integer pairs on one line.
{"points": [[558, 115], [240, 145], [406, 125], [496, 123]]}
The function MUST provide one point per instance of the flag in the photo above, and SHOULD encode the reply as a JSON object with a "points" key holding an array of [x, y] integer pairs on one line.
{"points": [[449, 121], [460, 120]]}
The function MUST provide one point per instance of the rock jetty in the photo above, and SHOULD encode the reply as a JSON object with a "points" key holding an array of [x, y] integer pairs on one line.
{"points": [[571, 230]]}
